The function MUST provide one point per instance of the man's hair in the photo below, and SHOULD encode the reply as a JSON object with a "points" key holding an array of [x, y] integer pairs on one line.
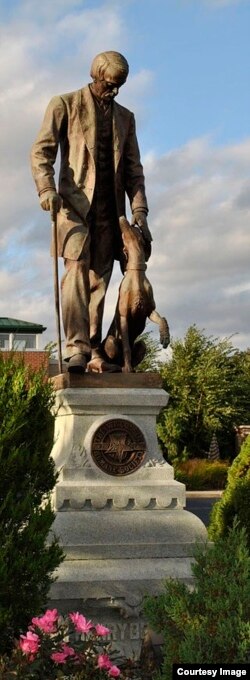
{"points": [[115, 60]]}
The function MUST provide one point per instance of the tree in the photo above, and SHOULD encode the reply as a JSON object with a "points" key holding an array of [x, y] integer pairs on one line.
{"points": [[151, 361], [26, 480], [235, 500], [209, 624], [209, 386]]}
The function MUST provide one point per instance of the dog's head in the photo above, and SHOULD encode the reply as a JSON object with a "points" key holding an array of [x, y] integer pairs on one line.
{"points": [[133, 240]]}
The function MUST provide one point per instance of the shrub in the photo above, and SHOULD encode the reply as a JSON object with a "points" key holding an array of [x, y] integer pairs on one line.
{"points": [[236, 497], [45, 652], [27, 477], [151, 361], [209, 386], [202, 474], [209, 624]]}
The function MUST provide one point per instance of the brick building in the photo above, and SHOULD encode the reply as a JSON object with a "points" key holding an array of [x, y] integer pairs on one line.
{"points": [[22, 337]]}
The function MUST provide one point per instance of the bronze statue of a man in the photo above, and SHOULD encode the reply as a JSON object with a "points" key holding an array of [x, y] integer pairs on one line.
{"points": [[100, 163]]}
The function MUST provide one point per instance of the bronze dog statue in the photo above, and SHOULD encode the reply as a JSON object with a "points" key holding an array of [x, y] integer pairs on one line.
{"points": [[135, 304]]}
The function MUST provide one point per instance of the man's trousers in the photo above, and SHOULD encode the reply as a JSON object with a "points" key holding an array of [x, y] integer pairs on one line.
{"points": [[83, 289]]}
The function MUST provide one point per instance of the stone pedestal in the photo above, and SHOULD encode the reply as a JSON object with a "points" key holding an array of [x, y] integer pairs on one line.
{"points": [[119, 512]]}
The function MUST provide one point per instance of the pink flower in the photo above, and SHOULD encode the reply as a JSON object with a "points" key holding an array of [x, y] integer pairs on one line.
{"points": [[61, 657], [47, 622], [104, 662], [114, 672], [81, 624], [29, 644], [101, 630]]}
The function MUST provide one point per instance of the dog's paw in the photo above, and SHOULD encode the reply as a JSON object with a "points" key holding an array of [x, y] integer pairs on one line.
{"points": [[164, 333], [127, 368], [98, 365]]}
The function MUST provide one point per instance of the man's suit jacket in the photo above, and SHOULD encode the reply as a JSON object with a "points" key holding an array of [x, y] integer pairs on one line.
{"points": [[70, 122]]}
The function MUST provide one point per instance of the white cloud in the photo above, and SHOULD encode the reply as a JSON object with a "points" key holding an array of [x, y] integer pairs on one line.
{"points": [[240, 288], [199, 194], [202, 239], [199, 268], [33, 67]]}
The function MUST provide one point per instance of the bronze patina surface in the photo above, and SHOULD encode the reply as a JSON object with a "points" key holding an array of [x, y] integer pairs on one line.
{"points": [[99, 165], [118, 447]]}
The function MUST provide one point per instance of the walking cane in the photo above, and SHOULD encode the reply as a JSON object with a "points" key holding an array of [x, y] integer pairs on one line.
{"points": [[53, 214]]}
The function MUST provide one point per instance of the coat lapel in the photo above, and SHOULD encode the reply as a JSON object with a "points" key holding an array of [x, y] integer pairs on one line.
{"points": [[88, 124], [118, 134], [88, 119]]}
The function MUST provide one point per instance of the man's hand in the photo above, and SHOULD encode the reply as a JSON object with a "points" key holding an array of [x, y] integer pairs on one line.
{"points": [[140, 218], [50, 199]]}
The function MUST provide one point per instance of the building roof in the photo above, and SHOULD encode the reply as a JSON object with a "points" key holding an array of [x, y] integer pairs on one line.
{"points": [[17, 326]]}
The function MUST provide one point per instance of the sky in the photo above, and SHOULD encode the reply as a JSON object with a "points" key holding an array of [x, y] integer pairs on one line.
{"points": [[189, 89]]}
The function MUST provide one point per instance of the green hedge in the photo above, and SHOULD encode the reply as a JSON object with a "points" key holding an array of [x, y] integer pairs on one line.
{"points": [[200, 474], [26, 480], [235, 500], [209, 624]]}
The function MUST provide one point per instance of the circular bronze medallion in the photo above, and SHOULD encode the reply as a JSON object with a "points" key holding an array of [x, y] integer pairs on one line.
{"points": [[118, 447]]}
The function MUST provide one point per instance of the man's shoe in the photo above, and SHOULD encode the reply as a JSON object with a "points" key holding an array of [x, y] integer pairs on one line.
{"points": [[77, 363]]}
